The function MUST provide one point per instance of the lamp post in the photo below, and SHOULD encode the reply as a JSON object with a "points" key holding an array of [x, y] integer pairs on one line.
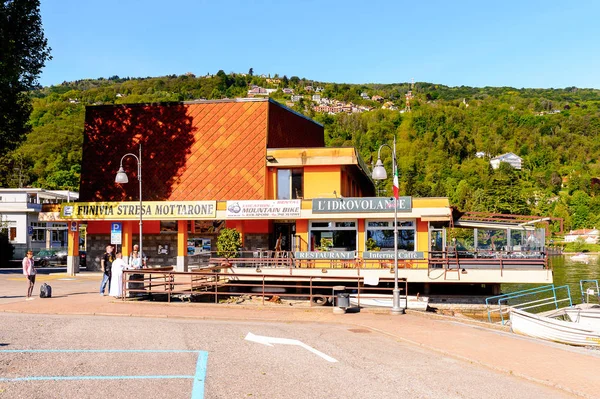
{"points": [[379, 173], [121, 178]]}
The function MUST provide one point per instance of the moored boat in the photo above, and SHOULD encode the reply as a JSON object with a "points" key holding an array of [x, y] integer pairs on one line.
{"points": [[415, 302], [552, 329], [581, 257], [585, 314]]}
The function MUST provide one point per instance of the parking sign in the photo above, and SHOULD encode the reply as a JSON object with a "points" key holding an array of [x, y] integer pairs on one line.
{"points": [[115, 233]]}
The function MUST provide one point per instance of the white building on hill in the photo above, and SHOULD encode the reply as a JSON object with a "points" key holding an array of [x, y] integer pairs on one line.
{"points": [[510, 158]]}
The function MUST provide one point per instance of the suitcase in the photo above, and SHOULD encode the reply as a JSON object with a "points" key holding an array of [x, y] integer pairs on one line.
{"points": [[45, 291]]}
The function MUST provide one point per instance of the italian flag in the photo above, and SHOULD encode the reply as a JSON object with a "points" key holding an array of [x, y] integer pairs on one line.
{"points": [[396, 187]]}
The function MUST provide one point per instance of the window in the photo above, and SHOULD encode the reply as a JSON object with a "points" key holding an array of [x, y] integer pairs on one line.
{"points": [[382, 231], [333, 236], [290, 183], [10, 231], [59, 236], [39, 231]]}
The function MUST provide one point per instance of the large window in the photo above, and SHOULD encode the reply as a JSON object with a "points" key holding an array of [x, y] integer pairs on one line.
{"points": [[290, 184], [39, 232], [382, 232], [59, 235], [333, 236]]}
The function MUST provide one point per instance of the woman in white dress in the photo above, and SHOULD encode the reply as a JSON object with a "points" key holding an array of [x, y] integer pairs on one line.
{"points": [[116, 282]]}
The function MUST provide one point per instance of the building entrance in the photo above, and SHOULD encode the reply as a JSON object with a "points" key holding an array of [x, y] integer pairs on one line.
{"points": [[282, 236]]}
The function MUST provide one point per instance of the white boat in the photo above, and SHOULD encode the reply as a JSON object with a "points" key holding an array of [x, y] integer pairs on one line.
{"points": [[581, 258], [585, 314], [415, 302], [551, 329]]}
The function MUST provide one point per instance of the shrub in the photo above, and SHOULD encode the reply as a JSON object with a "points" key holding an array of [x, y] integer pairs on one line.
{"points": [[229, 243]]}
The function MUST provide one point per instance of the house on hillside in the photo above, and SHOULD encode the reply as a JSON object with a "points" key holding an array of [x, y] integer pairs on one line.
{"points": [[510, 158], [377, 98], [589, 236], [296, 98], [287, 90], [365, 96], [316, 97], [257, 91]]}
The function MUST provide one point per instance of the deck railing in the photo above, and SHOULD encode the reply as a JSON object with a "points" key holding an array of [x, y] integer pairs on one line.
{"points": [[216, 285], [459, 262]]}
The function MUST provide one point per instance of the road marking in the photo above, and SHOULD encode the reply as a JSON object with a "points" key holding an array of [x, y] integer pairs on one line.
{"points": [[197, 387], [200, 377], [97, 351], [269, 341], [96, 377]]}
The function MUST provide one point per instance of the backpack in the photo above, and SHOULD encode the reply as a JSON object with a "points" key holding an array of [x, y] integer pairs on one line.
{"points": [[45, 291]]}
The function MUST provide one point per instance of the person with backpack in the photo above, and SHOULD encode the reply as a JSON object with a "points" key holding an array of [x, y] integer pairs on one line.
{"points": [[30, 272], [106, 262]]}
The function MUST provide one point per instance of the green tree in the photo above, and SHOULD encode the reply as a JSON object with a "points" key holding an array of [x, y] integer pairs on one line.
{"points": [[229, 243], [23, 53]]}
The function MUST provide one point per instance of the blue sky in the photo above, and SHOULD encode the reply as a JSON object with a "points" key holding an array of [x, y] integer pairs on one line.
{"points": [[537, 44]]}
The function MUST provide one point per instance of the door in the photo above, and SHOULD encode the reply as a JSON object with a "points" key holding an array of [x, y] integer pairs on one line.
{"points": [[282, 236]]}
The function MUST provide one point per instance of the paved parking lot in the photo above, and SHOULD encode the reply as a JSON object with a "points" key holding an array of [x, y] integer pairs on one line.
{"points": [[378, 355]]}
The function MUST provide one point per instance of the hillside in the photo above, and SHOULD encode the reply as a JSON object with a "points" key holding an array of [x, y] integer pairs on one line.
{"points": [[554, 131]]}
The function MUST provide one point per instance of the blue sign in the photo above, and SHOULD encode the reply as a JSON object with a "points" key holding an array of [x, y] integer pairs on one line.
{"points": [[30, 230], [115, 233]]}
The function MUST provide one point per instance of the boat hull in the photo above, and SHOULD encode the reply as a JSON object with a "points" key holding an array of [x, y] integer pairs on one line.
{"points": [[551, 329], [386, 301]]}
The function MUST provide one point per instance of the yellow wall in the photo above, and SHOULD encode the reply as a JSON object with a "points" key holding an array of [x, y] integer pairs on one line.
{"points": [[271, 185], [361, 236], [302, 231], [423, 239], [322, 181]]}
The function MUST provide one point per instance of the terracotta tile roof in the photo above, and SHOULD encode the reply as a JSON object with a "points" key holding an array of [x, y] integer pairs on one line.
{"points": [[209, 150], [204, 151]]}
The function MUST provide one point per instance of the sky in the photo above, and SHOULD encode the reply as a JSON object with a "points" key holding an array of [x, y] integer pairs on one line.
{"points": [[525, 43]]}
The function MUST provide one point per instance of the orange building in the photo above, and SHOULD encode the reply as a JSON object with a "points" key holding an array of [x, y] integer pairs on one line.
{"points": [[249, 164]]}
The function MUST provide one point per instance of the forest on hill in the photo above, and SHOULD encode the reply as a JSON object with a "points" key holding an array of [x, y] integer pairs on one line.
{"points": [[444, 143]]}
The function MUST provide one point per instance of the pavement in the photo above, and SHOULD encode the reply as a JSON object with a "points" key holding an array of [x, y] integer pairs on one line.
{"points": [[566, 368]]}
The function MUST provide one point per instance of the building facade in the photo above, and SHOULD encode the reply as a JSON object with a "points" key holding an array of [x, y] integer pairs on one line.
{"points": [[24, 216]]}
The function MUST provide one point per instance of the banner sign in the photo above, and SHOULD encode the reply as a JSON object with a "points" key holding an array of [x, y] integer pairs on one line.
{"points": [[356, 205], [325, 255], [263, 209], [402, 255], [151, 210]]}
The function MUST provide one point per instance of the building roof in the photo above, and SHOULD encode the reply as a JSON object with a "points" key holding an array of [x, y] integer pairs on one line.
{"points": [[506, 156], [199, 150]]}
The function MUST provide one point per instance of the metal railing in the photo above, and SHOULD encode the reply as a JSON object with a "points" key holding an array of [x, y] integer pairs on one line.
{"points": [[587, 288], [216, 284], [533, 298]]}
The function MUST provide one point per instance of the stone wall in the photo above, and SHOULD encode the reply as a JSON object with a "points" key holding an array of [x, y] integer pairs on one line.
{"points": [[256, 240]]}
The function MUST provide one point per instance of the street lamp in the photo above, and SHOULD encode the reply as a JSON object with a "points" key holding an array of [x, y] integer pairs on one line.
{"points": [[121, 178], [379, 173]]}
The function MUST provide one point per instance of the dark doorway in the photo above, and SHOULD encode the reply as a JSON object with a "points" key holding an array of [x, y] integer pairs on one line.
{"points": [[285, 231]]}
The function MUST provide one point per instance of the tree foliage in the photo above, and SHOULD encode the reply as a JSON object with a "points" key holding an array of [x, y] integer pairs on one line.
{"points": [[23, 53], [555, 131]]}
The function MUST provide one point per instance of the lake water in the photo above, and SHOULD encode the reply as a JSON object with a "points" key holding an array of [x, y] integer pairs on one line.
{"points": [[566, 272]]}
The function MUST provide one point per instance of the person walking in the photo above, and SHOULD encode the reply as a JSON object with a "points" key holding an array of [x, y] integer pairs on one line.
{"points": [[30, 272], [107, 259], [116, 282]]}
